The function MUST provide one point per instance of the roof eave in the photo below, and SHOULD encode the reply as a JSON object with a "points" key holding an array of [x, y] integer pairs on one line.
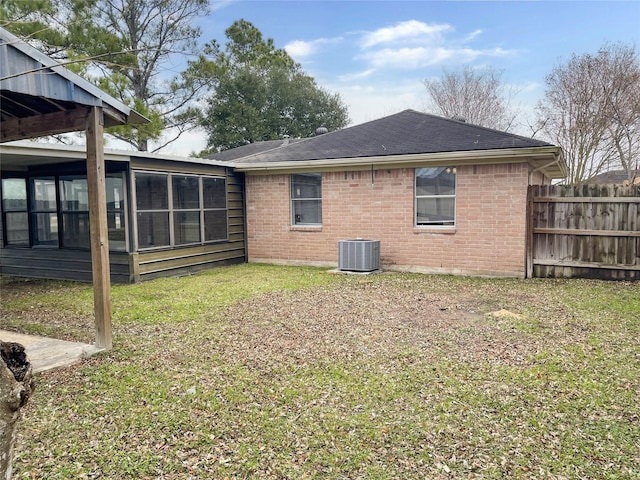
{"points": [[549, 160], [120, 113]]}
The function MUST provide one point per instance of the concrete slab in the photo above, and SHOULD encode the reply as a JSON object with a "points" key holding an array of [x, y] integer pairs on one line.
{"points": [[48, 353]]}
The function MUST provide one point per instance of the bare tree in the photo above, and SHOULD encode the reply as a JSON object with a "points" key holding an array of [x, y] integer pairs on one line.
{"points": [[591, 108], [475, 94]]}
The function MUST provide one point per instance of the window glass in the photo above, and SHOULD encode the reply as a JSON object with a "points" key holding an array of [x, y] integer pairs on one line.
{"points": [[44, 216], [115, 194], [306, 185], [153, 229], [215, 225], [75, 230], [186, 227], [73, 211], [186, 192], [306, 199], [435, 196], [214, 192], [44, 194], [436, 181], [116, 224], [197, 213], [17, 228], [45, 228], [74, 194], [14, 204], [116, 228], [151, 191], [14, 194]]}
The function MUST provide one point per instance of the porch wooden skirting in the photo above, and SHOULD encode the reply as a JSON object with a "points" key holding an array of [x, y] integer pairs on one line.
{"points": [[588, 231]]}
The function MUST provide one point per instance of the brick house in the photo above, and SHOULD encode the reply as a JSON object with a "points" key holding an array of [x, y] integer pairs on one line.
{"points": [[441, 195]]}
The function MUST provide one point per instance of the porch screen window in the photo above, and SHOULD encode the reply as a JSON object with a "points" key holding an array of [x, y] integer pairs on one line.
{"points": [[44, 214], [152, 206], [176, 210], [15, 209], [115, 213], [435, 196], [186, 209], [306, 199], [214, 196], [74, 206]]}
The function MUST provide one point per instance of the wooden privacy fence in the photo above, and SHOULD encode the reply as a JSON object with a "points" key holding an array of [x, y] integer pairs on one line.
{"points": [[584, 231]]}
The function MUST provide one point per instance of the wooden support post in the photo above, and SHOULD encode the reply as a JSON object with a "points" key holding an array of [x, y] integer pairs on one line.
{"points": [[98, 227], [529, 245]]}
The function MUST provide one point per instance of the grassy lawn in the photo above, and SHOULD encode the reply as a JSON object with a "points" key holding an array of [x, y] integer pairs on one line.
{"points": [[257, 371]]}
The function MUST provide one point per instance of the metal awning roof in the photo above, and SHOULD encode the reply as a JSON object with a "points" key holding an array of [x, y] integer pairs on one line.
{"points": [[35, 88]]}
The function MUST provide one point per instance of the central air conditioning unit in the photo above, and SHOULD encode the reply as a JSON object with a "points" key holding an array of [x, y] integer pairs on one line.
{"points": [[359, 255]]}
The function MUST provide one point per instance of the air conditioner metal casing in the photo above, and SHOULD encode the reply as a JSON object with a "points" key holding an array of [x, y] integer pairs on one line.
{"points": [[359, 255]]}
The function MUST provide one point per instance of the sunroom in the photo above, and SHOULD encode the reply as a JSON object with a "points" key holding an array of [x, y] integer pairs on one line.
{"points": [[166, 215]]}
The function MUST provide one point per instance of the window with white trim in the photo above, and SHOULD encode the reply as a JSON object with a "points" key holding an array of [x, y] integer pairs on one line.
{"points": [[306, 199], [435, 196]]}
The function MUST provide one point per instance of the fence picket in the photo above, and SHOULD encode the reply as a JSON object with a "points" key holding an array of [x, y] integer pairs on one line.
{"points": [[584, 231]]}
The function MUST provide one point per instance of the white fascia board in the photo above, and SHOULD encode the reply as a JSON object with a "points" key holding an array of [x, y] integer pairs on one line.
{"points": [[27, 149], [511, 155]]}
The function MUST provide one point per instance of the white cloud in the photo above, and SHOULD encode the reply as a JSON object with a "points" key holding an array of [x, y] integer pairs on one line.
{"points": [[299, 49], [404, 31], [411, 58], [413, 45], [473, 35], [350, 77], [372, 101]]}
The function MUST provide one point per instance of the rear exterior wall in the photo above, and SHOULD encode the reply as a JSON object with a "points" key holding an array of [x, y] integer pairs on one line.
{"points": [[488, 238]]}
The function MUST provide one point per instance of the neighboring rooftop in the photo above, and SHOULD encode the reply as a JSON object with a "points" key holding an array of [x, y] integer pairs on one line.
{"points": [[614, 176]]}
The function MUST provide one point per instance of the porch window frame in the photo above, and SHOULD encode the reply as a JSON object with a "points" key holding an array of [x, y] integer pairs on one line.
{"points": [[172, 210], [13, 210]]}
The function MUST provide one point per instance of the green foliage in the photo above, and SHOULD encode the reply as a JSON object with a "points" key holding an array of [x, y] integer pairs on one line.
{"points": [[262, 94], [33, 19]]}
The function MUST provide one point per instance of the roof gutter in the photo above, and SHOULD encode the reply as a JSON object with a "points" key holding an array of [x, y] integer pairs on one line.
{"points": [[508, 155]]}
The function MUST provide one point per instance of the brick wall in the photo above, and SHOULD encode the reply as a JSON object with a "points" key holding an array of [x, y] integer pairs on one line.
{"points": [[488, 239]]}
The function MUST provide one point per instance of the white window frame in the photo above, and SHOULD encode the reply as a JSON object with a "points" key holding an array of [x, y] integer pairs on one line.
{"points": [[296, 199], [435, 224]]}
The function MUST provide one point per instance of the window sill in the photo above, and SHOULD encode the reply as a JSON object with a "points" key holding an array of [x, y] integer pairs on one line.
{"points": [[435, 230], [305, 228]]}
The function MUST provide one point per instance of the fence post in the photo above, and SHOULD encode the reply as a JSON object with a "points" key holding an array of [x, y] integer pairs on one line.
{"points": [[528, 249]]}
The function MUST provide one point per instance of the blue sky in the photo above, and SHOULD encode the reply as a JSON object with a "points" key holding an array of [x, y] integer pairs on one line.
{"points": [[376, 54]]}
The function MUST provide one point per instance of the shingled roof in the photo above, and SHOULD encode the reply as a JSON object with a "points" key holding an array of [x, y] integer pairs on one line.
{"points": [[404, 133], [250, 149]]}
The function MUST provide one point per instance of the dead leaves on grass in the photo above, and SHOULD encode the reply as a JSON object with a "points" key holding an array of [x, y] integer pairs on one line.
{"points": [[384, 321]]}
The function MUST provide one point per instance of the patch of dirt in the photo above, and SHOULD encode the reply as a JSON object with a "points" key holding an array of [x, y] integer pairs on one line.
{"points": [[381, 320]]}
